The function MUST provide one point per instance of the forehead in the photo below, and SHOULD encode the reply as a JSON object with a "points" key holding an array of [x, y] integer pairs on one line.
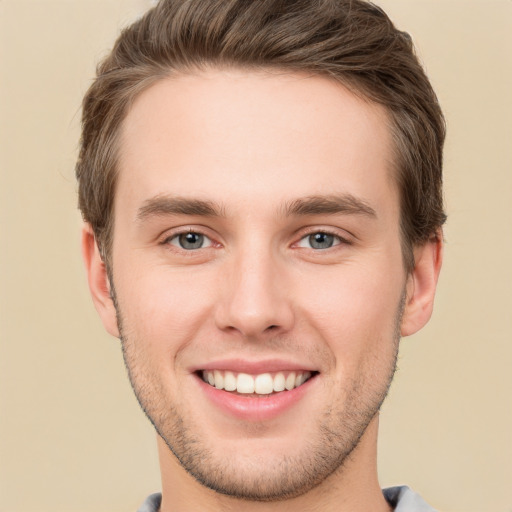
{"points": [[245, 137]]}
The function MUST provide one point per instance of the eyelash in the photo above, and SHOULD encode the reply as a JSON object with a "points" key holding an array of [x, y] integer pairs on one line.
{"points": [[339, 240], [168, 239]]}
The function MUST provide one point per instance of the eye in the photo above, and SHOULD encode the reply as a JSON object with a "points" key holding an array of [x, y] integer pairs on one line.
{"points": [[190, 241], [319, 240]]}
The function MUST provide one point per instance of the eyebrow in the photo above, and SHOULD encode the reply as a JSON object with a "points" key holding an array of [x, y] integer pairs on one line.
{"points": [[163, 205], [329, 205], [168, 205]]}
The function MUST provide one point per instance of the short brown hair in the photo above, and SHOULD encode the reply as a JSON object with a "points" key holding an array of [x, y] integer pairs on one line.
{"points": [[351, 41]]}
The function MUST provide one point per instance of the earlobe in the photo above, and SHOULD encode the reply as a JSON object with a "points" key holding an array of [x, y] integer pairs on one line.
{"points": [[97, 277], [421, 284]]}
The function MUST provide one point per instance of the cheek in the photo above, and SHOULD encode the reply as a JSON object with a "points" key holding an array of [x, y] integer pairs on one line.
{"points": [[163, 307], [356, 311]]}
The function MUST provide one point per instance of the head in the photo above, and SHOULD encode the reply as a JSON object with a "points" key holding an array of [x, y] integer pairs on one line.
{"points": [[262, 182], [352, 42]]}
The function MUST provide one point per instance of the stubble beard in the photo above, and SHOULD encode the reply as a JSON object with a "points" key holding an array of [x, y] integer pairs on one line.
{"points": [[339, 430]]}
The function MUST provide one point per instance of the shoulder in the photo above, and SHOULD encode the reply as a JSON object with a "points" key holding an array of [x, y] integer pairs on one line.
{"points": [[404, 499], [151, 503]]}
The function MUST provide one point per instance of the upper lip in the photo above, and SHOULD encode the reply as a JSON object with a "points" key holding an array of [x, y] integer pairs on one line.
{"points": [[254, 367]]}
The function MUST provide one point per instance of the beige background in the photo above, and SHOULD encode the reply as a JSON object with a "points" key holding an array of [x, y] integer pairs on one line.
{"points": [[71, 435]]}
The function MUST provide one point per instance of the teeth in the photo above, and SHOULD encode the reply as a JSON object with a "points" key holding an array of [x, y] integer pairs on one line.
{"points": [[263, 384], [290, 381], [219, 379], [279, 382], [229, 381], [244, 383]]}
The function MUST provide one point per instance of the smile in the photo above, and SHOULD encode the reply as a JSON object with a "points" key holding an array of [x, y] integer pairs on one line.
{"points": [[261, 384], [257, 391]]}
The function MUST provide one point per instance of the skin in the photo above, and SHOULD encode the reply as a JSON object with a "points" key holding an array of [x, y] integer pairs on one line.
{"points": [[254, 146]]}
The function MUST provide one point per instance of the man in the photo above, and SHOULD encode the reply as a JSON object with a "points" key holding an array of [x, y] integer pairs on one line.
{"points": [[261, 188]]}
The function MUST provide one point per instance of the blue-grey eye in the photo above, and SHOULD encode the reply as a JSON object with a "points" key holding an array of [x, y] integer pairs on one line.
{"points": [[319, 241], [190, 241]]}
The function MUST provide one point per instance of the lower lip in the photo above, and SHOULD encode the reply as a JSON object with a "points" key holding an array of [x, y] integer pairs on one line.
{"points": [[251, 408]]}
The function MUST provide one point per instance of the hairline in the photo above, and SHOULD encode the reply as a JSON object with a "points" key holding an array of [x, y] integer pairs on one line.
{"points": [[354, 86]]}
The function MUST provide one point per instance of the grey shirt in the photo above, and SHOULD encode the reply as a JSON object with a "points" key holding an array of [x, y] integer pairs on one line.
{"points": [[405, 500], [401, 498]]}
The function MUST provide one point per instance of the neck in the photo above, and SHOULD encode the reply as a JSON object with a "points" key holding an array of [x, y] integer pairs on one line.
{"points": [[352, 488]]}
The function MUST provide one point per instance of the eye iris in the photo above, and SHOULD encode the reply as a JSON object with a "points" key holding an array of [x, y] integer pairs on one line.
{"points": [[321, 240], [191, 240]]}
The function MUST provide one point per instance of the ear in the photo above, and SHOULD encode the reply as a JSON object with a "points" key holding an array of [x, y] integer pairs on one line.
{"points": [[99, 284], [421, 284]]}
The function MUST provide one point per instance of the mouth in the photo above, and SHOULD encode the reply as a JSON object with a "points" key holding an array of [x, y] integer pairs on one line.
{"points": [[259, 385], [255, 391]]}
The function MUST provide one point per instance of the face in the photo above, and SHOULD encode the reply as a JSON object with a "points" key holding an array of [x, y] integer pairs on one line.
{"points": [[258, 274]]}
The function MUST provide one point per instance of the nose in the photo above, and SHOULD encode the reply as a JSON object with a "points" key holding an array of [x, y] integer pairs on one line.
{"points": [[255, 298]]}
